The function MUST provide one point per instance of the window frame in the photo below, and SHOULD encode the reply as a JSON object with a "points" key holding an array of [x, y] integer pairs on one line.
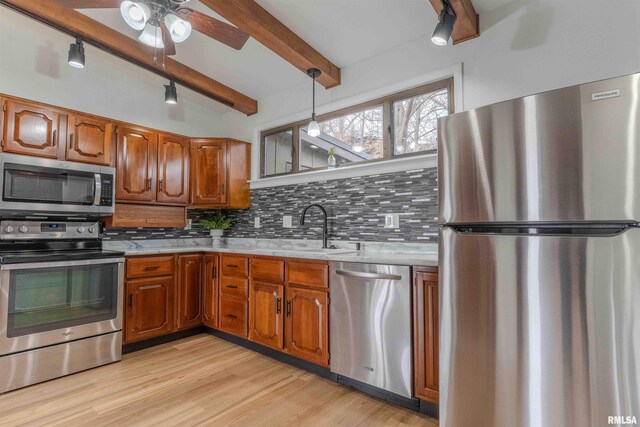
{"points": [[387, 125]]}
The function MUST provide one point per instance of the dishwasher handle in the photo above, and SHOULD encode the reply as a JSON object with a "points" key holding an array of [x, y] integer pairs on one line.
{"points": [[365, 275]]}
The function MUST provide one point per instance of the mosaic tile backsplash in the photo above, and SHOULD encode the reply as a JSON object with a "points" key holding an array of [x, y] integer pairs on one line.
{"points": [[355, 206]]}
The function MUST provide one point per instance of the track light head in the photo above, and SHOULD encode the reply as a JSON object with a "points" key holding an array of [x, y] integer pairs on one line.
{"points": [[76, 54], [446, 21], [171, 93]]}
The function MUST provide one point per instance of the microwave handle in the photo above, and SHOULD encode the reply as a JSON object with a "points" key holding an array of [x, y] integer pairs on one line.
{"points": [[97, 190]]}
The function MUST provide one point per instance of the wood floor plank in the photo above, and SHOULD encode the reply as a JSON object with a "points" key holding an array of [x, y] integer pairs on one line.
{"points": [[198, 381]]}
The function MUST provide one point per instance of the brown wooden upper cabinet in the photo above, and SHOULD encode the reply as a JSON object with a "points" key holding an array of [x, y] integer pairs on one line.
{"points": [[136, 167], [426, 333], [90, 140], [152, 168], [32, 129], [173, 170], [220, 171]]}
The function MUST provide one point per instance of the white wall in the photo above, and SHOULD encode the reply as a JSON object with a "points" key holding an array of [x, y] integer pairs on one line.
{"points": [[525, 47], [33, 65]]}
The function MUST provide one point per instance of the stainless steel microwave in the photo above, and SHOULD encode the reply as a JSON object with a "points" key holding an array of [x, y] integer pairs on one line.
{"points": [[32, 186]]}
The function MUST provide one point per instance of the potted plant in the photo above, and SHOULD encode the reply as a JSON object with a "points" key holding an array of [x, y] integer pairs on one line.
{"points": [[331, 161], [216, 224]]}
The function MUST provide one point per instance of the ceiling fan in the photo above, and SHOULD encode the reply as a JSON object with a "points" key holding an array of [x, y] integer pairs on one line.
{"points": [[166, 22]]}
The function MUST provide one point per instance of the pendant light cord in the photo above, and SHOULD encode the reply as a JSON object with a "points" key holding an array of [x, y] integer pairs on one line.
{"points": [[313, 97]]}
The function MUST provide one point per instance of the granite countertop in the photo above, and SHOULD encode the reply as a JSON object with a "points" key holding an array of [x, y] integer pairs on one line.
{"points": [[374, 253]]}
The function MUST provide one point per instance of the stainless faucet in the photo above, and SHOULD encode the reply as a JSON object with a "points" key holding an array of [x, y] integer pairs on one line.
{"points": [[325, 234]]}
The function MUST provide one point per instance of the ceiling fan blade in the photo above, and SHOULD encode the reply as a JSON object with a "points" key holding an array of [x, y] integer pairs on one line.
{"points": [[89, 4], [216, 29], [169, 45]]}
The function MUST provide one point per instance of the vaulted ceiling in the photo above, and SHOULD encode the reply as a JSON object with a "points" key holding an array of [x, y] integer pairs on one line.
{"points": [[343, 31]]}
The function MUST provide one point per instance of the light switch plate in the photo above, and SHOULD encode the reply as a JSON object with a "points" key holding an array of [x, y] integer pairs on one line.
{"points": [[256, 222], [392, 220], [287, 222]]}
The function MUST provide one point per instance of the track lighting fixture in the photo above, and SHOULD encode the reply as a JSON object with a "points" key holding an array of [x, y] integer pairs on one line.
{"points": [[76, 54], [171, 93], [446, 21], [313, 129]]}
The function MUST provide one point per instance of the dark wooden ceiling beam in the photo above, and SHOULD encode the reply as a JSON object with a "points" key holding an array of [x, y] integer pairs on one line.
{"points": [[76, 24], [265, 28], [467, 24]]}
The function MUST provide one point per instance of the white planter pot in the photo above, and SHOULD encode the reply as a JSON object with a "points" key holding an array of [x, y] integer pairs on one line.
{"points": [[216, 236]]}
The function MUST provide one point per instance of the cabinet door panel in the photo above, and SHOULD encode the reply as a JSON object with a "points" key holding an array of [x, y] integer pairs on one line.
{"points": [[210, 291], [190, 291], [265, 314], [307, 324], [89, 140], [426, 335], [136, 167], [173, 170], [209, 172], [149, 308], [31, 130]]}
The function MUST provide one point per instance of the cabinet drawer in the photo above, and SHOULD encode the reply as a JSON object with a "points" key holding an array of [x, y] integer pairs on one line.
{"points": [[269, 270], [234, 286], [150, 266], [233, 265], [233, 315], [307, 273]]}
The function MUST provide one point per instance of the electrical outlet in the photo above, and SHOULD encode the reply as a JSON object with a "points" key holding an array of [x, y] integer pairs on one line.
{"points": [[256, 222], [391, 220], [287, 221]]}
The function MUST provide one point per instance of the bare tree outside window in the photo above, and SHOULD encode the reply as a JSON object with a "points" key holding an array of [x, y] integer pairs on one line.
{"points": [[361, 130], [415, 121]]}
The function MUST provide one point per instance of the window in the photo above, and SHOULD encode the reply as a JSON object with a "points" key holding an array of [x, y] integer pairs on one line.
{"points": [[402, 124]]}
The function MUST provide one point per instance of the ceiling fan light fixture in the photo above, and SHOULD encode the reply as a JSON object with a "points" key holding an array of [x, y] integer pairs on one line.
{"points": [[76, 54], [179, 29], [152, 36], [446, 21], [135, 14], [171, 93]]}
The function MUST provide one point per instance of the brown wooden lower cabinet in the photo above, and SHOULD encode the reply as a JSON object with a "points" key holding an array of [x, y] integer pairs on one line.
{"points": [[307, 324], [210, 271], [426, 333], [189, 291], [149, 308], [233, 315], [266, 320]]}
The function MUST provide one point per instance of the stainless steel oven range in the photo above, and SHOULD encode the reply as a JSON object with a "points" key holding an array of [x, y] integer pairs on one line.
{"points": [[60, 301]]}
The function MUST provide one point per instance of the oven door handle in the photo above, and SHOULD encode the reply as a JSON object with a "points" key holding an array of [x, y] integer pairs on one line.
{"points": [[80, 262], [97, 190]]}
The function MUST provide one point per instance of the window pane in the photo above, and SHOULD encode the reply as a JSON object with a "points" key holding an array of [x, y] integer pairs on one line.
{"points": [[277, 152], [415, 121], [356, 137]]}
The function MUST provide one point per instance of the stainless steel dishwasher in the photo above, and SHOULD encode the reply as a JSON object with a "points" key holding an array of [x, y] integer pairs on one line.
{"points": [[371, 325]]}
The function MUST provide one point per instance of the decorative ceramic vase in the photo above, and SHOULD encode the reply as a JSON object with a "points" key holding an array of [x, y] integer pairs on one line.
{"points": [[331, 162], [216, 237]]}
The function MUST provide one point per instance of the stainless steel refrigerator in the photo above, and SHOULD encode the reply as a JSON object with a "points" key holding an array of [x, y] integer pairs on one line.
{"points": [[540, 259]]}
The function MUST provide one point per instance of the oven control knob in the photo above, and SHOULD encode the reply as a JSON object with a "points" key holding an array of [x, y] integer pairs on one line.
{"points": [[8, 229], [91, 230], [80, 229], [24, 229]]}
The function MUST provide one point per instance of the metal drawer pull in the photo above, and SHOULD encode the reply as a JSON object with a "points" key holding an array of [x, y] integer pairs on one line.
{"points": [[364, 275], [232, 265], [232, 286], [288, 308], [278, 305], [152, 267], [232, 316]]}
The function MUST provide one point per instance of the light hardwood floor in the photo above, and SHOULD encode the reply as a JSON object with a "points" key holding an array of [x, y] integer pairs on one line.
{"points": [[202, 380]]}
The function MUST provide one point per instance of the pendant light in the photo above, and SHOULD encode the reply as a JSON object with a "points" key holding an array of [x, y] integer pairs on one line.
{"points": [[313, 129], [171, 93], [446, 21], [76, 54]]}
